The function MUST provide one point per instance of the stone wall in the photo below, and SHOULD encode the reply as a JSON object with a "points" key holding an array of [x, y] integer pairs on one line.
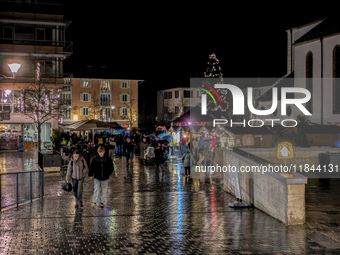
{"points": [[302, 155], [280, 196]]}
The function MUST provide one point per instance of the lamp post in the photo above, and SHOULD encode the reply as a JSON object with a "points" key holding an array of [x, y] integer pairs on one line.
{"points": [[112, 109], [14, 67]]}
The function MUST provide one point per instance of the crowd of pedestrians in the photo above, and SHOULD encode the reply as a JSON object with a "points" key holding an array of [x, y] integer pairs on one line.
{"points": [[96, 161]]}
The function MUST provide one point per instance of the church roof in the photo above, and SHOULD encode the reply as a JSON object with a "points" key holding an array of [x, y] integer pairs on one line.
{"points": [[329, 26]]}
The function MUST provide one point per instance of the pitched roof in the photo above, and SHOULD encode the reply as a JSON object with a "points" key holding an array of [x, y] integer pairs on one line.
{"points": [[194, 115], [329, 26]]}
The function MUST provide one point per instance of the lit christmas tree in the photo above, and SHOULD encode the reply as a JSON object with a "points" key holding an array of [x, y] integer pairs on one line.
{"points": [[215, 71]]}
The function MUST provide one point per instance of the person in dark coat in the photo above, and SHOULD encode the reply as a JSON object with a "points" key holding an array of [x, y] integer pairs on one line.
{"points": [[101, 168], [86, 154], [159, 156], [120, 143], [128, 147]]}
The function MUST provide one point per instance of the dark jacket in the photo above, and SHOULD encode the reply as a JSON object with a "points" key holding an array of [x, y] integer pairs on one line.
{"points": [[101, 167], [159, 155], [128, 147]]}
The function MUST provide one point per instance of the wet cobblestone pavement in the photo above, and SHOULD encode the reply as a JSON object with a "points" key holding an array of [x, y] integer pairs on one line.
{"points": [[152, 213]]}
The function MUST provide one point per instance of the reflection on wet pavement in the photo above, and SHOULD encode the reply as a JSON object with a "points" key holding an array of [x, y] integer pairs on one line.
{"points": [[151, 212]]}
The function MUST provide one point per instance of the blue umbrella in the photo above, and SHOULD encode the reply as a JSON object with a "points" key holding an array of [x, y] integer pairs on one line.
{"points": [[162, 135], [168, 137]]}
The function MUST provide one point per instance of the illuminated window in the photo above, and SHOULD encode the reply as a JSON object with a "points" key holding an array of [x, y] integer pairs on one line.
{"points": [[85, 83], [105, 85]]}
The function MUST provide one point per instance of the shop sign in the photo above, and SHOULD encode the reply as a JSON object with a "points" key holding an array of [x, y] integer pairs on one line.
{"points": [[4, 116], [285, 150]]}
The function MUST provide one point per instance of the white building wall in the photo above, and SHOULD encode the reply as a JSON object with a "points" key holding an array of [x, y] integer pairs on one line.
{"points": [[293, 35], [300, 73], [173, 102]]}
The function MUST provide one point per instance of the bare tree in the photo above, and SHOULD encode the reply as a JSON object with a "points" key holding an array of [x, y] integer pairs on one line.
{"points": [[40, 101], [95, 106], [132, 105]]}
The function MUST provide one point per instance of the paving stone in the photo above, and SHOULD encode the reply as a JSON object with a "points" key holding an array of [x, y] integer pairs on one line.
{"points": [[152, 213]]}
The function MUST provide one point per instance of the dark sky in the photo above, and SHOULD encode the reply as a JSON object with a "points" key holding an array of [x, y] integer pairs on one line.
{"points": [[167, 44]]}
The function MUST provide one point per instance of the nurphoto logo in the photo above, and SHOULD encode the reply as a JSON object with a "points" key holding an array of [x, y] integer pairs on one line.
{"points": [[239, 104]]}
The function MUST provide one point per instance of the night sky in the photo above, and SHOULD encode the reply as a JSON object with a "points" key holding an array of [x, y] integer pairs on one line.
{"points": [[167, 44]]}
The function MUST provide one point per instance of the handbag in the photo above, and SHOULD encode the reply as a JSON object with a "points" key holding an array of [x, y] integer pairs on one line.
{"points": [[67, 186]]}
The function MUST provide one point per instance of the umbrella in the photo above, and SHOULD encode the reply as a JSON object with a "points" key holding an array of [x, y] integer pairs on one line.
{"points": [[168, 138], [203, 141], [164, 136], [183, 141], [93, 124]]}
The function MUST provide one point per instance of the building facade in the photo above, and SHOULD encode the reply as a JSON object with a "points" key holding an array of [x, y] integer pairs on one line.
{"points": [[172, 103], [102, 99], [313, 63], [317, 68], [34, 37]]}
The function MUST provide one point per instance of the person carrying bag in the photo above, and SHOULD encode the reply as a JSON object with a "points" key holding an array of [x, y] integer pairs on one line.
{"points": [[77, 170]]}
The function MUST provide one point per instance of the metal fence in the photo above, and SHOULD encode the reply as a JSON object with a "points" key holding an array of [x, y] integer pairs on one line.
{"points": [[19, 187]]}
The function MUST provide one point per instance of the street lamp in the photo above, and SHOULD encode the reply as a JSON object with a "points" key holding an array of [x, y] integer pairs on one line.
{"points": [[14, 67]]}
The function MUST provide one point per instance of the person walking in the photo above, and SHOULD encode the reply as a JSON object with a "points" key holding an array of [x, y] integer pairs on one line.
{"points": [[77, 170], [218, 157], [128, 149], [159, 156], [133, 146], [186, 161], [86, 154], [112, 148], [119, 144], [207, 155], [101, 168], [143, 145]]}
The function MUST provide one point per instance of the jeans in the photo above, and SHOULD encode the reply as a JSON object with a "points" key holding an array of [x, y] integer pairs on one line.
{"points": [[100, 190], [78, 190], [131, 154], [120, 149]]}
